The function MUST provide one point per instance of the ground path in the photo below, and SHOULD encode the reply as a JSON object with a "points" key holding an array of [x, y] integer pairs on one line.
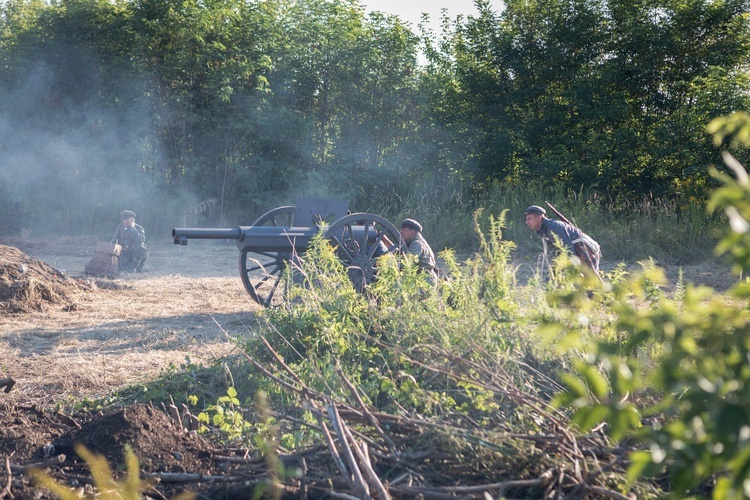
{"points": [[126, 330]]}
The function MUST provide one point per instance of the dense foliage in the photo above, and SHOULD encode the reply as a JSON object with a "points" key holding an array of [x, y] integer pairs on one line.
{"points": [[213, 111], [621, 388]]}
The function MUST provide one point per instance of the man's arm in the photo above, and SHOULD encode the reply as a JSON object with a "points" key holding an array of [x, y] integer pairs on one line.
{"points": [[563, 231], [387, 241], [141, 233]]}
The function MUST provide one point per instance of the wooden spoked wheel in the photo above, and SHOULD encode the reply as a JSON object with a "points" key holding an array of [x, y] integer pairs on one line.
{"points": [[263, 272], [360, 239]]}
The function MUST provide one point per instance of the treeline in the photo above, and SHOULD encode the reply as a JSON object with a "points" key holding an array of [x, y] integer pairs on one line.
{"points": [[212, 111]]}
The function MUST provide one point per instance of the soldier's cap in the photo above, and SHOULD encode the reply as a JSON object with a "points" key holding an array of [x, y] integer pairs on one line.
{"points": [[127, 214], [411, 224], [536, 210]]}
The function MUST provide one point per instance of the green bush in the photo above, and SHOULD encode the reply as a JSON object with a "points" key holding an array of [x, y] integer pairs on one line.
{"points": [[382, 338], [695, 430]]}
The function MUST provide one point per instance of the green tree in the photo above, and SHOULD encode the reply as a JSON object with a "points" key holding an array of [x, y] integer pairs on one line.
{"points": [[675, 64], [208, 62], [348, 84], [68, 104], [609, 94]]}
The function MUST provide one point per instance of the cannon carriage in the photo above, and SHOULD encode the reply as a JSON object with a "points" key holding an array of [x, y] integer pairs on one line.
{"points": [[280, 236]]}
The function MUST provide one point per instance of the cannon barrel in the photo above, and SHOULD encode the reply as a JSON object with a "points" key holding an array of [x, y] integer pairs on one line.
{"points": [[264, 238], [252, 238], [182, 234]]}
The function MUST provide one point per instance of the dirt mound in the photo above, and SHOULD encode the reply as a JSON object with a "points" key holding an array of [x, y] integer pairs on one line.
{"points": [[24, 431], [154, 438], [29, 436], [28, 284]]}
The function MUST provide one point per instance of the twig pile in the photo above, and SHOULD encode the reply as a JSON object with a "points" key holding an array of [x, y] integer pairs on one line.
{"points": [[365, 453], [28, 284], [381, 455]]}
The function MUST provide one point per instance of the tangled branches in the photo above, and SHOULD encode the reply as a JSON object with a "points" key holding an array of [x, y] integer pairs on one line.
{"points": [[405, 455]]}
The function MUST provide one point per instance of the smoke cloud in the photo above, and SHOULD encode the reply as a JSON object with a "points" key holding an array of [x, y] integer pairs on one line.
{"points": [[70, 163]]}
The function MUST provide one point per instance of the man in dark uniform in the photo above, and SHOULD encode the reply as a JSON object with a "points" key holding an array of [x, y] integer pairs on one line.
{"points": [[411, 233], [575, 241], [132, 238]]}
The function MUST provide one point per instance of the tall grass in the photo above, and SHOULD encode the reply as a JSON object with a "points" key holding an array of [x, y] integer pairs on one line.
{"points": [[672, 231]]}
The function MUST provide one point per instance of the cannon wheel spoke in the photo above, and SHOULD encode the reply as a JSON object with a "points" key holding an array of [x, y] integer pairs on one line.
{"points": [[344, 252], [257, 267], [261, 272], [360, 239]]}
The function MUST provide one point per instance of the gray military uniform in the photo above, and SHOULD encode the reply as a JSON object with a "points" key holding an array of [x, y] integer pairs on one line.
{"points": [[418, 246], [572, 238], [134, 248]]}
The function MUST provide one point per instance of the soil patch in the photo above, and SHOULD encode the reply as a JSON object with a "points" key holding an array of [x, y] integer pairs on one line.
{"points": [[65, 337], [150, 433], [30, 436]]}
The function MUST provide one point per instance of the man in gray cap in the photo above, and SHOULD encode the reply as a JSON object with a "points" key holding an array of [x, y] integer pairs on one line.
{"points": [[132, 238], [411, 233], [573, 239]]}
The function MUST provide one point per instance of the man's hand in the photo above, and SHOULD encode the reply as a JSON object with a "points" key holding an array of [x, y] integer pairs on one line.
{"points": [[387, 241]]}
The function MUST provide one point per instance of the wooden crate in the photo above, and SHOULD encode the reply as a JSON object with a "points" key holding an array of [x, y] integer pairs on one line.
{"points": [[106, 260]]}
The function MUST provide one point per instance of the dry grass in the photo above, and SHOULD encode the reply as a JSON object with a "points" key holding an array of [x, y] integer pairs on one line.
{"points": [[126, 334]]}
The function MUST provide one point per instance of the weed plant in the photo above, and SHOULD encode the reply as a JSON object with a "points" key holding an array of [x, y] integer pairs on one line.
{"points": [[692, 352], [464, 350], [382, 337]]}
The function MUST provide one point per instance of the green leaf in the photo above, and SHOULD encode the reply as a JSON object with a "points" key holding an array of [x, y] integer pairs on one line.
{"points": [[623, 421], [741, 291], [640, 461], [575, 386], [723, 489], [595, 381], [588, 417], [550, 330]]}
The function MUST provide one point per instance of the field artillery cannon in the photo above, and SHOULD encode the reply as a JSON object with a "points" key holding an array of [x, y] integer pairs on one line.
{"points": [[278, 237]]}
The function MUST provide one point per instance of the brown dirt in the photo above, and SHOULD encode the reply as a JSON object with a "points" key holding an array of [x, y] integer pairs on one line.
{"points": [[65, 337]]}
